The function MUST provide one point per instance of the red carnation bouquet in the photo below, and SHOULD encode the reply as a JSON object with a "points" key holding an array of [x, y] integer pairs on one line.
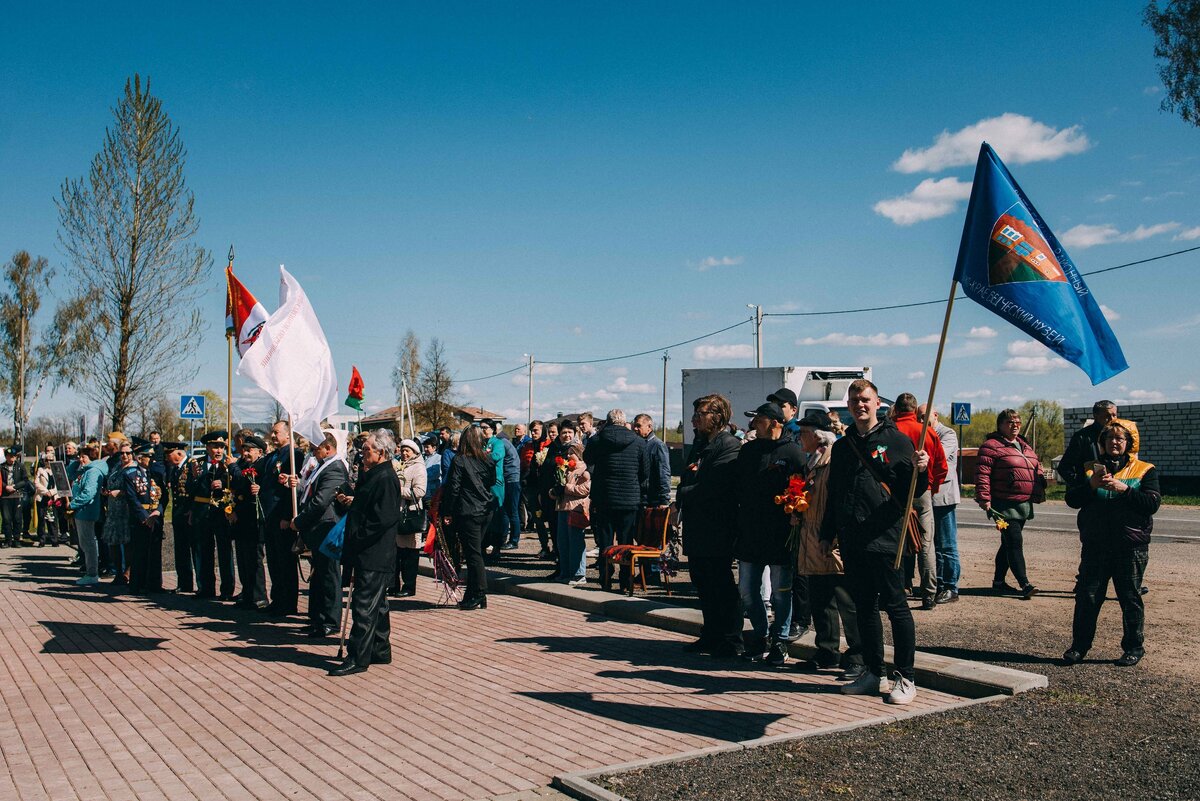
{"points": [[793, 499]]}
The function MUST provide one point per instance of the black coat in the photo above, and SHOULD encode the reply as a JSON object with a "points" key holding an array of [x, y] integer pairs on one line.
{"points": [[373, 521], [706, 499], [468, 488], [1114, 523], [762, 470], [275, 499], [859, 513], [616, 457], [317, 513]]}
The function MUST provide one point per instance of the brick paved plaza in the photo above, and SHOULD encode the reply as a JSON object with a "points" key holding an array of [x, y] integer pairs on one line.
{"points": [[113, 697]]}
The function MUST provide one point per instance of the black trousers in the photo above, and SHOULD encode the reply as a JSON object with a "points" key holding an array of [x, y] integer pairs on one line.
{"points": [[1011, 555], [371, 628], [720, 601], [13, 519], [833, 612], [48, 533], [225, 564], [407, 561], [250, 556], [181, 534], [205, 538], [282, 565], [470, 534], [874, 585], [1125, 568], [144, 555], [325, 591], [802, 608]]}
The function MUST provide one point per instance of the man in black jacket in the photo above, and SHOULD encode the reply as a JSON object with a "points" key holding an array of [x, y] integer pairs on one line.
{"points": [[275, 498], [17, 487], [616, 458], [708, 509], [763, 469], [247, 527], [370, 551], [1084, 446], [869, 474], [314, 520]]}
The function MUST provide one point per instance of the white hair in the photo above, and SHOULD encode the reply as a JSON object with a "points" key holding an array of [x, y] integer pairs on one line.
{"points": [[616, 417], [382, 439]]}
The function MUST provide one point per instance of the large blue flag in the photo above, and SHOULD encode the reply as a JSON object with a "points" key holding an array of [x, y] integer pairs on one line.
{"points": [[1010, 262]]}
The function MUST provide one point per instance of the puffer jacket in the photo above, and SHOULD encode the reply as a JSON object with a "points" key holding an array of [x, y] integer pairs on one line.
{"points": [[413, 482], [1006, 471], [762, 471], [859, 513], [618, 459], [1115, 522], [573, 495], [706, 500]]}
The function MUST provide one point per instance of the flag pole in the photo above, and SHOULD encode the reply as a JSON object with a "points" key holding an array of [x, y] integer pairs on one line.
{"points": [[937, 366], [229, 369], [292, 462]]}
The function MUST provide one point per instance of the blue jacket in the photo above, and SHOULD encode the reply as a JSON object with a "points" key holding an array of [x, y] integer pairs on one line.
{"points": [[512, 461], [497, 450], [657, 491], [85, 491]]}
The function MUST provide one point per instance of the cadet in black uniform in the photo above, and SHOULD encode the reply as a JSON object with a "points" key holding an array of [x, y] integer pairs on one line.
{"points": [[176, 465], [275, 498], [247, 524]]}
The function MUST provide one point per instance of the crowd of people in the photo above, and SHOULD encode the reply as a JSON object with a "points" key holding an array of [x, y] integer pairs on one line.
{"points": [[809, 512]]}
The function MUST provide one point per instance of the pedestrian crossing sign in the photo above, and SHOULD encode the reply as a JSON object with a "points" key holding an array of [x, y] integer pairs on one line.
{"points": [[961, 413], [191, 407]]}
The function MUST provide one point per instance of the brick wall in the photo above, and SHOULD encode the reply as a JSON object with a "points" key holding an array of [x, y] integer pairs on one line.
{"points": [[1170, 434]]}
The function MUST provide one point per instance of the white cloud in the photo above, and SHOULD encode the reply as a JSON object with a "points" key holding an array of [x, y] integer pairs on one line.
{"points": [[932, 198], [1106, 198], [972, 347], [547, 369], [1181, 328], [1034, 365], [618, 371], [1151, 395], [586, 369], [1017, 138], [915, 374], [1111, 315], [1188, 234], [1151, 90], [710, 262], [1086, 236], [1013, 398], [465, 389], [977, 394], [577, 330], [598, 395], [622, 385], [1189, 387], [1027, 347], [717, 353], [982, 332], [880, 340]]}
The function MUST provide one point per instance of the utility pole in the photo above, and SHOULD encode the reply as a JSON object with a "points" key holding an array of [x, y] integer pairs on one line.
{"points": [[758, 319], [666, 357], [530, 355]]}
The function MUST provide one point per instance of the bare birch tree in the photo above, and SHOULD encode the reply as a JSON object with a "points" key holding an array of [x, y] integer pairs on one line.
{"points": [[127, 228]]}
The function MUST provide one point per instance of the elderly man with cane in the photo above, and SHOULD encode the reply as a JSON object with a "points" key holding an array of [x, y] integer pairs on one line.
{"points": [[369, 549]]}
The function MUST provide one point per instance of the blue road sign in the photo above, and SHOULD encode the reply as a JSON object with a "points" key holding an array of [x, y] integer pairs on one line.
{"points": [[959, 412], [191, 407]]}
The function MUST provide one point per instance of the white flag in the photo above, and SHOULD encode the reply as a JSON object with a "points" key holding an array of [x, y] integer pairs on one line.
{"points": [[291, 361]]}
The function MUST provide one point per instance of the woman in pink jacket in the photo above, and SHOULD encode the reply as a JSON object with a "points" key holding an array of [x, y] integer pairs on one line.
{"points": [[1005, 481]]}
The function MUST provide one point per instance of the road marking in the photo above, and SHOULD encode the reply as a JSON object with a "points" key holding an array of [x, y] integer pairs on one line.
{"points": [[1037, 529]]}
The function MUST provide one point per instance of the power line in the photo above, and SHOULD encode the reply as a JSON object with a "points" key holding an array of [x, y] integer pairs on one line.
{"points": [[959, 297]]}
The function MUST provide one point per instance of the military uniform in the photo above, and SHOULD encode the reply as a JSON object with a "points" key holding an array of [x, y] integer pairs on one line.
{"points": [[210, 526], [187, 556], [142, 492], [247, 529]]}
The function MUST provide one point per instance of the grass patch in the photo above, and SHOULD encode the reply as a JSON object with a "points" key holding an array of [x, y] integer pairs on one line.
{"points": [[1058, 492]]}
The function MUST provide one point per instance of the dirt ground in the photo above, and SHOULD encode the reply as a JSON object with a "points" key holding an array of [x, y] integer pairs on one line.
{"points": [[1097, 731]]}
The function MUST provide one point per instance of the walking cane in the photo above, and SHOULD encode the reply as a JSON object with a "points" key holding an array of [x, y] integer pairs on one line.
{"points": [[345, 615]]}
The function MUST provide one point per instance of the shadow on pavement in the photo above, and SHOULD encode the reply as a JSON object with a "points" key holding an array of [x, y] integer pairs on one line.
{"points": [[718, 724], [977, 655], [635, 651], [713, 684], [93, 638]]}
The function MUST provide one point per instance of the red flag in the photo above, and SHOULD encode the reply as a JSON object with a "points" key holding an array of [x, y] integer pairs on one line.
{"points": [[244, 316], [355, 398]]}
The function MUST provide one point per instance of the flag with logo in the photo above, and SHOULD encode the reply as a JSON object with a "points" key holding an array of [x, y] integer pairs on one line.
{"points": [[355, 397], [1010, 262], [244, 316], [290, 360]]}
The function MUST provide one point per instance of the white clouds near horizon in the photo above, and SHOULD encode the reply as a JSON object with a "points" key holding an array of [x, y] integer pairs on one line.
{"points": [[880, 340], [1188, 234], [932, 198], [710, 262], [717, 353], [1016, 138], [1086, 236]]}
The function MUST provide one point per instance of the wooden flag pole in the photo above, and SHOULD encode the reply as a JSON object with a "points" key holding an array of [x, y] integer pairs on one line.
{"points": [[937, 366], [292, 462]]}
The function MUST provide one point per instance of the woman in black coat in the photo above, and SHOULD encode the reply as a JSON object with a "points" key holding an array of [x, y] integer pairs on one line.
{"points": [[369, 549], [465, 509], [708, 510]]}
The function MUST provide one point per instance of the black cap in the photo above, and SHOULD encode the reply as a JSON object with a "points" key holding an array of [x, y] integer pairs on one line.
{"points": [[215, 437], [771, 411], [784, 395], [487, 421], [254, 441], [174, 446], [14, 449], [816, 419], [144, 450], [138, 442]]}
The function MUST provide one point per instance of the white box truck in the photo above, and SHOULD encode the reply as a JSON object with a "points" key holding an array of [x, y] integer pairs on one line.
{"points": [[746, 388]]}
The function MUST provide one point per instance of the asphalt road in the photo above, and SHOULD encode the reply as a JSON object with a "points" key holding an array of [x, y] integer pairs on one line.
{"points": [[1171, 524]]}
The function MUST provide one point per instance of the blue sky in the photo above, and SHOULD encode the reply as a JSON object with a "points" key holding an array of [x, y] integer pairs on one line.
{"points": [[583, 181]]}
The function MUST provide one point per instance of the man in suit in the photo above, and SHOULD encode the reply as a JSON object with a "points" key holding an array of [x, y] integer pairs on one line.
{"points": [[247, 527], [315, 518], [275, 498], [143, 492]]}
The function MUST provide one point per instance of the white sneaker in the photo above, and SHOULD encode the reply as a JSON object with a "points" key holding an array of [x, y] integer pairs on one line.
{"points": [[593, 552], [903, 690], [579, 582], [866, 684], [87, 580]]}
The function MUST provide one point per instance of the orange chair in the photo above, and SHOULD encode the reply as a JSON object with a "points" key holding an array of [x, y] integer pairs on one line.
{"points": [[651, 539]]}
